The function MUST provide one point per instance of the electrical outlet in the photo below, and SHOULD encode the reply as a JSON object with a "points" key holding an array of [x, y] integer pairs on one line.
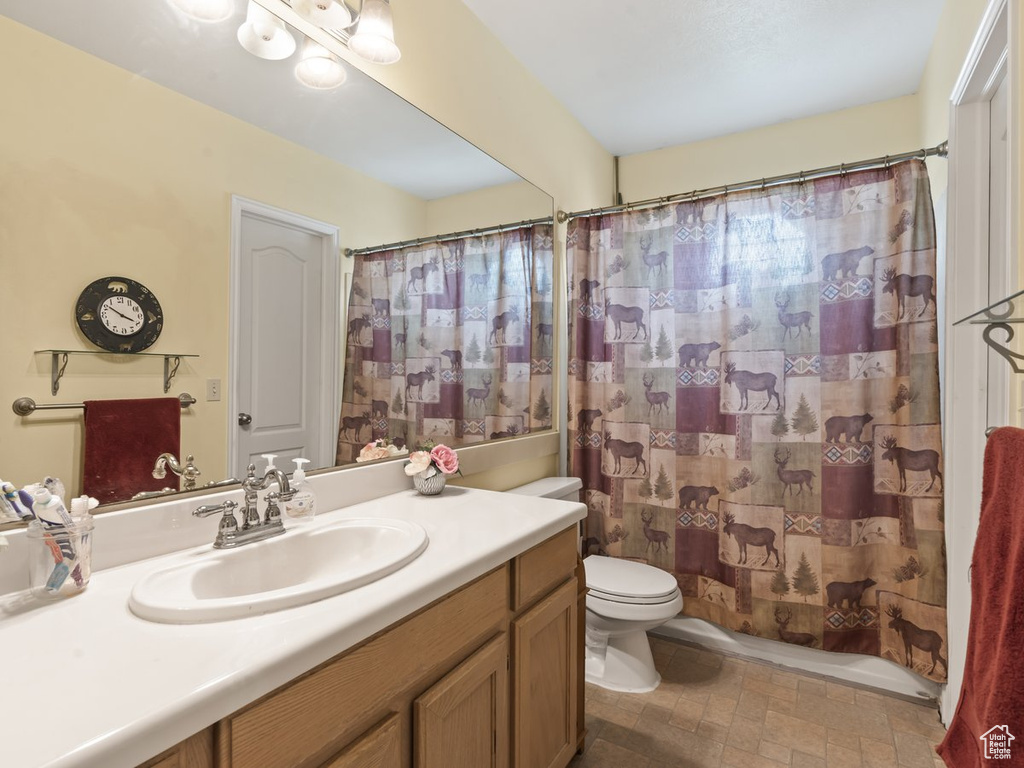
{"points": [[212, 390]]}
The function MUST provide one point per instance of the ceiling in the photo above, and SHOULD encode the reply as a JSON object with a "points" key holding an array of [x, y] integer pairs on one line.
{"points": [[361, 124], [648, 74]]}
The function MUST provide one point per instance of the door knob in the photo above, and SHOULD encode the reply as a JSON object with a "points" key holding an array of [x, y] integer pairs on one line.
{"points": [[244, 419]]}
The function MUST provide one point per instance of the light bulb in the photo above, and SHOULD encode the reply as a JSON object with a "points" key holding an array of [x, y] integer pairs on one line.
{"points": [[264, 35], [374, 38], [326, 14], [318, 68]]}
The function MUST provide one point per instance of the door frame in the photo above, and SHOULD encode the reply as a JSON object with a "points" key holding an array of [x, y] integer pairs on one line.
{"points": [[330, 296], [978, 392]]}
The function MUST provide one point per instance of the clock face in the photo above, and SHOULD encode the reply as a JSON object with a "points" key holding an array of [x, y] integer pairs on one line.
{"points": [[119, 315], [122, 315]]}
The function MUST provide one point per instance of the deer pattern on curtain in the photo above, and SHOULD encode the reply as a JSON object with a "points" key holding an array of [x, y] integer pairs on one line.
{"points": [[755, 408], [449, 342]]}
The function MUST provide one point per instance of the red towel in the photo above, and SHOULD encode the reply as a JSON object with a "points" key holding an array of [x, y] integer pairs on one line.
{"points": [[123, 439], [992, 698]]}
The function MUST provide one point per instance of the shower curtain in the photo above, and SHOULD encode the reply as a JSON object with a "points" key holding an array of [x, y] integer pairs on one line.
{"points": [[755, 408], [449, 342]]}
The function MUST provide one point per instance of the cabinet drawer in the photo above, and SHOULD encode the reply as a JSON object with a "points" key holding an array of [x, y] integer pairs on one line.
{"points": [[313, 717], [539, 570]]}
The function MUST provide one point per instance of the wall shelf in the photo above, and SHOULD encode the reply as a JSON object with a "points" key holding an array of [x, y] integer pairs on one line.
{"points": [[59, 363], [1000, 317]]}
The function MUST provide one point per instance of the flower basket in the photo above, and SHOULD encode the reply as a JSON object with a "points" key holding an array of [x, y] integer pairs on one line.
{"points": [[428, 469], [429, 486]]}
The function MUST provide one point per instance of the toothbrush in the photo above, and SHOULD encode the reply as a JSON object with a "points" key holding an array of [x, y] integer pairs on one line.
{"points": [[13, 498]]}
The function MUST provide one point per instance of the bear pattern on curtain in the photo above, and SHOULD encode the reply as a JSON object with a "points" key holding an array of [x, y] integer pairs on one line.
{"points": [[754, 407], [449, 342]]}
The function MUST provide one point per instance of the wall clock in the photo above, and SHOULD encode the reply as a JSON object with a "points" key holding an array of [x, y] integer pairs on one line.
{"points": [[119, 315]]}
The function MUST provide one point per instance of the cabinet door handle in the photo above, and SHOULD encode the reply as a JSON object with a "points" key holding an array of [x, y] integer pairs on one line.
{"points": [[244, 419]]}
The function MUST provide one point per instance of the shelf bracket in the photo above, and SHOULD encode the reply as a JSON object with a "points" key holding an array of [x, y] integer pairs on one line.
{"points": [[170, 372], [57, 370], [1013, 358]]}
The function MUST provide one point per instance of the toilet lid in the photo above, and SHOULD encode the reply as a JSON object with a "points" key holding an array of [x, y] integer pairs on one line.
{"points": [[623, 580]]}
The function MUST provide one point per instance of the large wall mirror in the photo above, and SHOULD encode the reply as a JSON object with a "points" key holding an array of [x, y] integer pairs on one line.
{"points": [[136, 140]]}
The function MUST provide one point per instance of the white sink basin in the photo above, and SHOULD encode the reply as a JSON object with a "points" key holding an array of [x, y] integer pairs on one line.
{"points": [[298, 567]]}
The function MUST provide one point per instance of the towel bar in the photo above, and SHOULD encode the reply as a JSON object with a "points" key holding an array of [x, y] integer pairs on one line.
{"points": [[23, 406]]}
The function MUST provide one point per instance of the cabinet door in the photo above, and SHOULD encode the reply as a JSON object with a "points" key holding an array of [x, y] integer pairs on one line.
{"points": [[194, 752], [544, 692], [379, 747], [462, 721]]}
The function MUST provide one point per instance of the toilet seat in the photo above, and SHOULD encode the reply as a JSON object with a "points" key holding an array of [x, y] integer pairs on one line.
{"points": [[623, 581], [633, 599]]}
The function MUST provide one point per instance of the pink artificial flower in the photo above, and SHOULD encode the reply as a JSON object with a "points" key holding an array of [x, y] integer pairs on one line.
{"points": [[419, 461], [372, 451], [445, 459]]}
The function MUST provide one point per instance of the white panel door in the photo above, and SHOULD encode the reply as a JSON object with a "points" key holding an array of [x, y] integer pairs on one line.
{"points": [[278, 343]]}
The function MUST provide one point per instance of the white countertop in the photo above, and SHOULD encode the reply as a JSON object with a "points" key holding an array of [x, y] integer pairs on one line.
{"points": [[87, 683]]}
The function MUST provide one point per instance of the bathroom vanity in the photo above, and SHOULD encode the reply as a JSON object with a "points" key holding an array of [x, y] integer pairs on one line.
{"points": [[468, 656], [483, 677]]}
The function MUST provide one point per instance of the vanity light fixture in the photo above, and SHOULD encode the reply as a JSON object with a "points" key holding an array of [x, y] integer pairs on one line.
{"points": [[210, 11], [374, 38], [326, 14], [318, 67], [264, 35]]}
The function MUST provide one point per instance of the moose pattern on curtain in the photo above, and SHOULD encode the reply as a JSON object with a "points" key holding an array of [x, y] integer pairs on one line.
{"points": [[755, 408], [449, 342]]}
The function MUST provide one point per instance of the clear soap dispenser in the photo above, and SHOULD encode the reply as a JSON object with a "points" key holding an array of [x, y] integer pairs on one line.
{"points": [[302, 506]]}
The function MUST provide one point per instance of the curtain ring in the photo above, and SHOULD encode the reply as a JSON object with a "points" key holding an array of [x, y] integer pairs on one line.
{"points": [[887, 166], [763, 184], [801, 177], [842, 170], [693, 196]]}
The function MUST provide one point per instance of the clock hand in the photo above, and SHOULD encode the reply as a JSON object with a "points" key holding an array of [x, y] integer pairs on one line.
{"points": [[129, 319]]}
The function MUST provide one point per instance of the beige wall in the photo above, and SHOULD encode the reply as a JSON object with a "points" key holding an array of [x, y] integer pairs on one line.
{"points": [[105, 173], [457, 71], [859, 133], [518, 201], [957, 26]]}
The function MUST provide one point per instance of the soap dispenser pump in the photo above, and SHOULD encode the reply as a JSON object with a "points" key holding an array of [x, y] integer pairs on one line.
{"points": [[302, 506]]}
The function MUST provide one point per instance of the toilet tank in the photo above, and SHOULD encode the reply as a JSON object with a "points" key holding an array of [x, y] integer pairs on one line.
{"points": [[563, 488]]}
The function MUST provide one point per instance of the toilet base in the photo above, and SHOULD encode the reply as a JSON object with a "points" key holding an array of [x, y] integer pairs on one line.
{"points": [[622, 662]]}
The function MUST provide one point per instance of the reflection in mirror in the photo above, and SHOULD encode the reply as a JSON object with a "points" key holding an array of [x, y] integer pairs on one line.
{"points": [[132, 130], [450, 342]]}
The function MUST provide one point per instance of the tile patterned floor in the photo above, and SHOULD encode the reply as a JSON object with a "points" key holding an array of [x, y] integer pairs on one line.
{"points": [[712, 711]]}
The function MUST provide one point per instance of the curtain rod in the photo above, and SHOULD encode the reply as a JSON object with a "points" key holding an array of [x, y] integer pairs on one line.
{"points": [[450, 236], [878, 162]]}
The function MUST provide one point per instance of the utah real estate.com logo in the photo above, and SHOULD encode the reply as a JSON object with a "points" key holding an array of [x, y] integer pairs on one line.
{"points": [[997, 743]]}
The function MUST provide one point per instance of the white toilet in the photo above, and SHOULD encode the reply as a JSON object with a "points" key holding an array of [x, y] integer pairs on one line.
{"points": [[624, 600]]}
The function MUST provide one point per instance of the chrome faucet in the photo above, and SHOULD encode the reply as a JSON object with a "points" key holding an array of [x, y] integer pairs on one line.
{"points": [[253, 528], [188, 471]]}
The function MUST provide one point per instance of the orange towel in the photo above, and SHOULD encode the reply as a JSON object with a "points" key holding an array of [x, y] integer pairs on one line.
{"points": [[123, 439], [992, 698]]}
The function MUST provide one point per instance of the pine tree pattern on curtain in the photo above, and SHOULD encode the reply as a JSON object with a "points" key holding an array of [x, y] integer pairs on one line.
{"points": [[449, 342], [755, 408]]}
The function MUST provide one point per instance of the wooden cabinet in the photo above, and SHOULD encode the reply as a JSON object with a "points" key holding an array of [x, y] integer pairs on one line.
{"points": [[545, 682], [194, 752], [486, 676], [462, 721], [380, 747]]}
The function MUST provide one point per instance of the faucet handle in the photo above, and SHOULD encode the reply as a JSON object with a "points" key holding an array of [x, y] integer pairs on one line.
{"points": [[228, 524], [227, 507], [190, 473]]}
